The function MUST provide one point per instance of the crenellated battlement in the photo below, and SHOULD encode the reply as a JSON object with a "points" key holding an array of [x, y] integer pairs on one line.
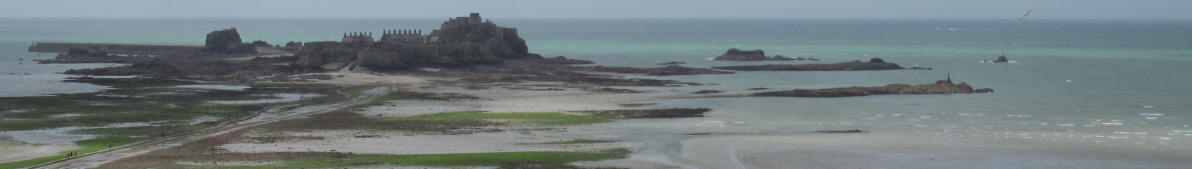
{"points": [[400, 32], [399, 36], [358, 37]]}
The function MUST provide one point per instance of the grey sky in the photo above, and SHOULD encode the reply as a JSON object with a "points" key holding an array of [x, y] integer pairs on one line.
{"points": [[852, 9]]}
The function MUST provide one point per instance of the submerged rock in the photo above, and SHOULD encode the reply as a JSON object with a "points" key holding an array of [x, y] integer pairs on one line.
{"points": [[939, 87], [873, 64]]}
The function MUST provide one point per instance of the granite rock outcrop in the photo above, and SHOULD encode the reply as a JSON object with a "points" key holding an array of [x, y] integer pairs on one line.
{"points": [[735, 54], [939, 87], [227, 41], [872, 64]]}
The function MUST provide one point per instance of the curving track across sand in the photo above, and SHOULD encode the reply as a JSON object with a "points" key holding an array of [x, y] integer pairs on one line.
{"points": [[95, 159]]}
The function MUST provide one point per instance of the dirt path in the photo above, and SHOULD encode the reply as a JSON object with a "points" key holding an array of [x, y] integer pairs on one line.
{"points": [[95, 159]]}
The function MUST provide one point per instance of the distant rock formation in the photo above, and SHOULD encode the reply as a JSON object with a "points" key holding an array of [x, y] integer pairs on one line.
{"points": [[873, 64], [227, 41], [76, 55], [939, 87], [566, 61], [459, 41], [659, 71], [707, 92], [1001, 59], [672, 63], [735, 54]]}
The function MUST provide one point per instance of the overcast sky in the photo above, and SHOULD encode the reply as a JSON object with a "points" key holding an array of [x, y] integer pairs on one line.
{"points": [[814, 9]]}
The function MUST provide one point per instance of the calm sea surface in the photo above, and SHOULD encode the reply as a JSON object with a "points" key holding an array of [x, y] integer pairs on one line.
{"points": [[1101, 83]]}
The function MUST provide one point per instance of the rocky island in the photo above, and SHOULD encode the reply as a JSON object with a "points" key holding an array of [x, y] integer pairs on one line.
{"points": [[872, 64], [1000, 59], [735, 54], [458, 42], [464, 92], [939, 87], [469, 48]]}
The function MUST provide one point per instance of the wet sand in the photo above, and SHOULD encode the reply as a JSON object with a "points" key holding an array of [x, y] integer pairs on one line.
{"points": [[894, 150], [28, 150], [396, 142]]}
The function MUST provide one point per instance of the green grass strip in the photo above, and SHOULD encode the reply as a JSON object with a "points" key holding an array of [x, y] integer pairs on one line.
{"points": [[88, 146]]}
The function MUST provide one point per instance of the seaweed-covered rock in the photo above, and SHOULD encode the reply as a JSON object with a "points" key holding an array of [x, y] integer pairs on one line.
{"points": [[76, 55]]}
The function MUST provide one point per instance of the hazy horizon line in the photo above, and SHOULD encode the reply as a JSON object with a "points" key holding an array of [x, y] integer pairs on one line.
{"points": [[609, 18]]}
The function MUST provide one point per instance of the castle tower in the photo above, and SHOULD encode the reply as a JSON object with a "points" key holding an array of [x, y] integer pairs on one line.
{"points": [[474, 17]]}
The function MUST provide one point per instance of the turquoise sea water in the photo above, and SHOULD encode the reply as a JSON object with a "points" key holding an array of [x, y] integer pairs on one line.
{"points": [[1101, 84]]}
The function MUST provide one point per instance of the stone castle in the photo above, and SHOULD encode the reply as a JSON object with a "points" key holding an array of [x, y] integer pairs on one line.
{"points": [[408, 36], [458, 41]]}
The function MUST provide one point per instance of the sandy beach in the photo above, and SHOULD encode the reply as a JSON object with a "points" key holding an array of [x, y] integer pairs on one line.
{"points": [[899, 150]]}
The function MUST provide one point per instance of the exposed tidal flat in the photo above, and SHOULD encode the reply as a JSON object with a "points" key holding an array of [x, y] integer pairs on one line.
{"points": [[1074, 99]]}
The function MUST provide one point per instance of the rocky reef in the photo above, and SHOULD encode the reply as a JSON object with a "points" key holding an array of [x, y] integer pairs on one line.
{"points": [[76, 55], [196, 69], [658, 71], [459, 42], [872, 64], [1000, 59], [939, 87], [566, 61], [735, 54], [227, 41]]}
